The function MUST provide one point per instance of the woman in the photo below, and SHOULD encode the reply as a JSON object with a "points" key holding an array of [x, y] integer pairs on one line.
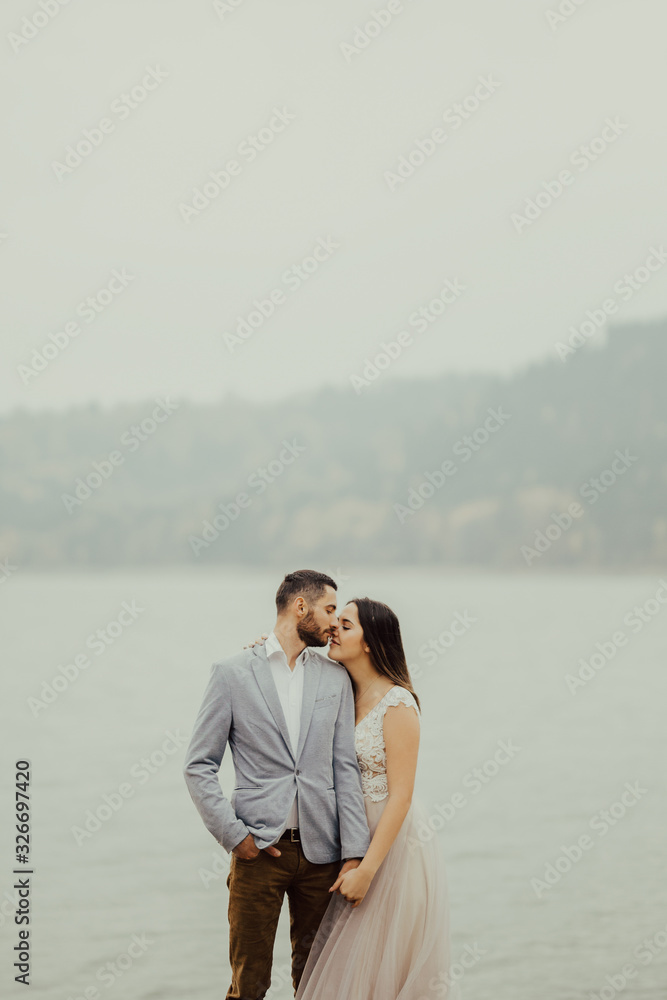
{"points": [[385, 934]]}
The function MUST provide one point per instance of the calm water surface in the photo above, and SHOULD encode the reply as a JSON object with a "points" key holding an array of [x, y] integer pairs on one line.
{"points": [[585, 761]]}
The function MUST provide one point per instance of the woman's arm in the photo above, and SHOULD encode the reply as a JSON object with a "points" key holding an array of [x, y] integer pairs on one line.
{"points": [[401, 737]]}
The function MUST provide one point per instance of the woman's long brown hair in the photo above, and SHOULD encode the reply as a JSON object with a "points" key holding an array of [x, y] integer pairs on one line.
{"points": [[382, 632]]}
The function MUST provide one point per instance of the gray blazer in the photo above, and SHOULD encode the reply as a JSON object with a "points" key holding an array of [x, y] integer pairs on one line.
{"points": [[241, 707]]}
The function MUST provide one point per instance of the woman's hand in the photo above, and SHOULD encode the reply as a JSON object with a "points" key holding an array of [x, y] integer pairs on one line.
{"points": [[353, 885], [257, 642]]}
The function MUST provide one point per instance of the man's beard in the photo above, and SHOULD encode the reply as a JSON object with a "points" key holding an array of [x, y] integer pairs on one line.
{"points": [[309, 633]]}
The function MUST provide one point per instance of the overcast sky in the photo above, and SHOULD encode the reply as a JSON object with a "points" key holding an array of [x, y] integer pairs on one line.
{"points": [[339, 108]]}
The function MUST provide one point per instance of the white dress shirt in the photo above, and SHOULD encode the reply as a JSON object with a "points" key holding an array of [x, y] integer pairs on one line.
{"points": [[289, 684]]}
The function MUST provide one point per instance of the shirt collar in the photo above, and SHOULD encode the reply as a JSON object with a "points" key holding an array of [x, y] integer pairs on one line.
{"points": [[272, 645]]}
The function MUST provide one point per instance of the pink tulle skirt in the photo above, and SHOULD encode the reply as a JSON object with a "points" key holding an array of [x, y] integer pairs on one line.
{"points": [[395, 944]]}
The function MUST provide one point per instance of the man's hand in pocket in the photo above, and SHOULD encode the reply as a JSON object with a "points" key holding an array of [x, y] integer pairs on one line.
{"points": [[247, 849]]}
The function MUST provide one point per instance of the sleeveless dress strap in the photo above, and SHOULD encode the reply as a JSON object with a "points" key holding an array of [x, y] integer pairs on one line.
{"points": [[399, 696]]}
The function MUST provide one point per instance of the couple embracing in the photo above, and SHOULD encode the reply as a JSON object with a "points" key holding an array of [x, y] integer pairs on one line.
{"points": [[324, 747]]}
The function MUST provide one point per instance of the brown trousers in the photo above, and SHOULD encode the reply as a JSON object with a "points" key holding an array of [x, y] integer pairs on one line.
{"points": [[256, 891]]}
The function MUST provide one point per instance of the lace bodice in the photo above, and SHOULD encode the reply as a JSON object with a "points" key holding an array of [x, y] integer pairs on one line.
{"points": [[370, 746]]}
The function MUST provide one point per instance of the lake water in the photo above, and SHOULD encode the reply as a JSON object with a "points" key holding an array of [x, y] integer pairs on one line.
{"points": [[585, 761]]}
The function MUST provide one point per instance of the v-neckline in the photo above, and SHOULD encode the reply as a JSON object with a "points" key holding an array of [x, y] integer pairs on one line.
{"points": [[375, 705]]}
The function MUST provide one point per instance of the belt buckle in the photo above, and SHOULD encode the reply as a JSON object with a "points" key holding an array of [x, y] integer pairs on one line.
{"points": [[293, 830]]}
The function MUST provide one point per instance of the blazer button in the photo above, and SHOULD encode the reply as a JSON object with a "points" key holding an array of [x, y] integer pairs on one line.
{"points": [[298, 772]]}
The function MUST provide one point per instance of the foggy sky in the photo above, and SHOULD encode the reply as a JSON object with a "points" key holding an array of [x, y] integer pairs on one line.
{"points": [[347, 117]]}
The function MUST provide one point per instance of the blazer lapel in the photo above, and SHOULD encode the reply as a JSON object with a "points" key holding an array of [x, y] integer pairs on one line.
{"points": [[262, 670], [312, 669]]}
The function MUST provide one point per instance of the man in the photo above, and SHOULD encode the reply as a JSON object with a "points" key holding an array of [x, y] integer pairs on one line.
{"points": [[297, 810]]}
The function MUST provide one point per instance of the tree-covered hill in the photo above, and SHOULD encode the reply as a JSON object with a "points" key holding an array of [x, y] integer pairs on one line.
{"points": [[454, 470]]}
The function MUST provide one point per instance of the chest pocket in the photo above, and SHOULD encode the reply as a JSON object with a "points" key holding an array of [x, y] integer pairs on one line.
{"points": [[328, 701]]}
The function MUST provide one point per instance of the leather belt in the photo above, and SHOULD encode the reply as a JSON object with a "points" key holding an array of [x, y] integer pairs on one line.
{"points": [[292, 833]]}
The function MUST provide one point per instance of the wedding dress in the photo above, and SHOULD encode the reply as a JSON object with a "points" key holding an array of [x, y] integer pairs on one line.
{"points": [[395, 944]]}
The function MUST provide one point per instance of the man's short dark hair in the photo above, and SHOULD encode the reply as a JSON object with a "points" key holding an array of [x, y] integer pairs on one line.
{"points": [[306, 583]]}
